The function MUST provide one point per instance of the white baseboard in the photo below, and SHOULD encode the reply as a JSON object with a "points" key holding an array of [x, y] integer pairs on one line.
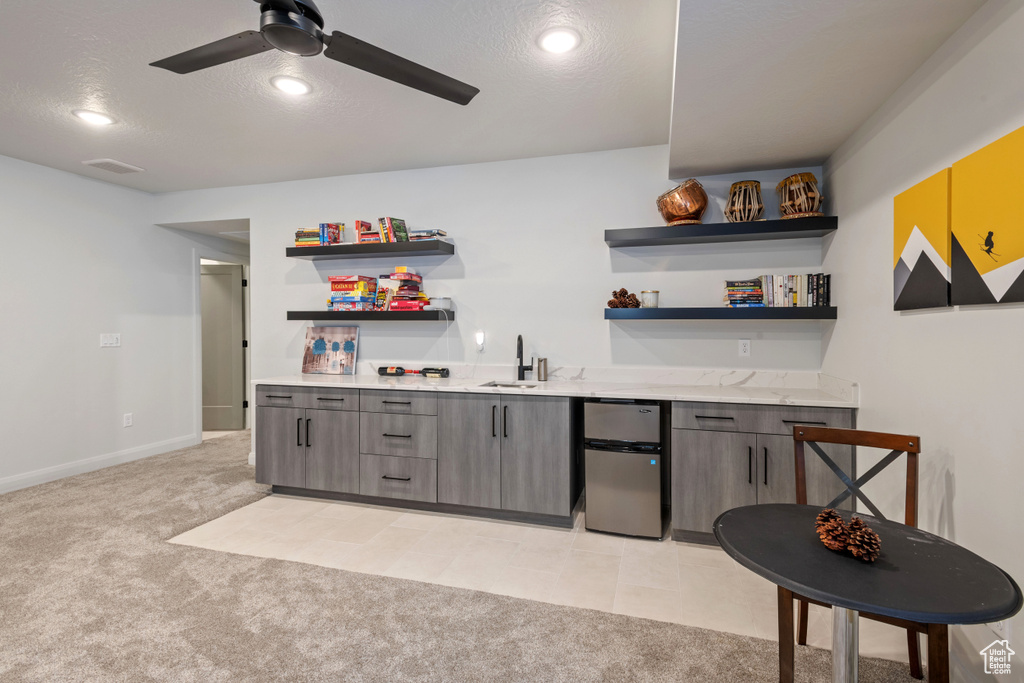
{"points": [[252, 458], [97, 462]]}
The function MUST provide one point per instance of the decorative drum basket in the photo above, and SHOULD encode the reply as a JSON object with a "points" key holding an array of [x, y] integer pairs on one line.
{"points": [[799, 196], [685, 204], [745, 202]]}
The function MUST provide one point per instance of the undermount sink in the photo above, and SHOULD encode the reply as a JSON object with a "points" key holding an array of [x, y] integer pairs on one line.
{"points": [[508, 385]]}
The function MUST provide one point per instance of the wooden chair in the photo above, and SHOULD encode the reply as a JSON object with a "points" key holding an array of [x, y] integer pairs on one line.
{"points": [[938, 649]]}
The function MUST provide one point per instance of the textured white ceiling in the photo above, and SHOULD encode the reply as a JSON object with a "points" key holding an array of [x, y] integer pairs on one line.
{"points": [[780, 84], [227, 126]]}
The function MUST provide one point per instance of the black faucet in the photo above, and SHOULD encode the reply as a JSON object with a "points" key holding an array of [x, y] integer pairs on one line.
{"points": [[520, 368]]}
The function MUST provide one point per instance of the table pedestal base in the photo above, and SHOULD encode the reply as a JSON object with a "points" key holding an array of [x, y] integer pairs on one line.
{"points": [[845, 644]]}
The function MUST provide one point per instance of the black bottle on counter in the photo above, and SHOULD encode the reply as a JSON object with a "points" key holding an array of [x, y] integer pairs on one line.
{"points": [[390, 371]]}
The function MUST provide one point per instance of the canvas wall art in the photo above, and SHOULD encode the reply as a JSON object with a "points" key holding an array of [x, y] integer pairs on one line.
{"points": [[988, 224], [330, 351], [921, 244]]}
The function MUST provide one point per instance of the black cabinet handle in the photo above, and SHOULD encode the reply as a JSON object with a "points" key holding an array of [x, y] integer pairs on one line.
{"points": [[308, 420], [765, 465], [750, 465], [321, 398], [298, 432], [273, 396], [399, 436], [399, 403], [494, 418], [397, 478], [714, 417], [504, 421], [805, 422]]}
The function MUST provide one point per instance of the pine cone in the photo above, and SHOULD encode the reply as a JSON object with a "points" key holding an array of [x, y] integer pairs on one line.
{"points": [[632, 301], [613, 303], [863, 543], [826, 515], [834, 534]]}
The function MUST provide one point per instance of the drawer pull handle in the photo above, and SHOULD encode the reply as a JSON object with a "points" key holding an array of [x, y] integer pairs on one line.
{"points": [[494, 429], [399, 403], [504, 421], [765, 465], [298, 432], [399, 436], [321, 398], [396, 478], [805, 422], [308, 420], [750, 465], [273, 396], [714, 417]]}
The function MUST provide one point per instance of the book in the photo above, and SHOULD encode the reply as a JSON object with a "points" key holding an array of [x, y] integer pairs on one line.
{"points": [[426, 234], [399, 230], [353, 286], [386, 230], [351, 278]]}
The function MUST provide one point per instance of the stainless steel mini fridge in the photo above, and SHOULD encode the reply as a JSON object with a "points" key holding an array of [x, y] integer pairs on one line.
{"points": [[623, 466]]}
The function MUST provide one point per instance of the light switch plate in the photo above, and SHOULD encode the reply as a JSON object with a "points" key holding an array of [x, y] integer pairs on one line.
{"points": [[110, 340], [127, 419]]}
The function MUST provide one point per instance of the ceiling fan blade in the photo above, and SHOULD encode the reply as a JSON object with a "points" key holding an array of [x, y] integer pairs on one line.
{"points": [[244, 44], [354, 52]]}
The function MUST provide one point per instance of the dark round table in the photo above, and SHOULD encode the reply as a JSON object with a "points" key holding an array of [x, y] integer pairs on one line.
{"points": [[918, 577]]}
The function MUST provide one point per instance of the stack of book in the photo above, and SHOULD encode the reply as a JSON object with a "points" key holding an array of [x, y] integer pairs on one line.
{"points": [[365, 232], [327, 233], [352, 293], [417, 235], [402, 291], [781, 291]]}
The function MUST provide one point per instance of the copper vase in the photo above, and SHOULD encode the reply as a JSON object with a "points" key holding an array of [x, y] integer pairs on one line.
{"points": [[685, 204]]}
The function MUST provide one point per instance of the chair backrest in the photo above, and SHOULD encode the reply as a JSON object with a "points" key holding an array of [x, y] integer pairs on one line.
{"points": [[897, 443]]}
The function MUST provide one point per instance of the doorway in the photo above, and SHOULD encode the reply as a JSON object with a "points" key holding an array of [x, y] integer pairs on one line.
{"points": [[222, 295]]}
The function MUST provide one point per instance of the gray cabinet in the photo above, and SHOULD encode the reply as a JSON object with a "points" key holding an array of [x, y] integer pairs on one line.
{"points": [[536, 450], [314, 444], [735, 455], [280, 447], [507, 452], [469, 450]]}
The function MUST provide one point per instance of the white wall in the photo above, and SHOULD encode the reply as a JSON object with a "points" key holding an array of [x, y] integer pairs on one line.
{"points": [[951, 376], [530, 259], [81, 258]]}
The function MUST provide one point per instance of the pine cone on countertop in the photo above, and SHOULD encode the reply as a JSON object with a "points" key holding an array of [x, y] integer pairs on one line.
{"points": [[832, 530], [863, 543]]}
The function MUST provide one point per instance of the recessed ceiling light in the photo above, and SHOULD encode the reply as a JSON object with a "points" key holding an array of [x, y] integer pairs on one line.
{"points": [[559, 40], [93, 117], [292, 86]]}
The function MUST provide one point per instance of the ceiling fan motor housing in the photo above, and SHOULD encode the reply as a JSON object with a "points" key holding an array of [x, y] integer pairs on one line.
{"points": [[292, 33]]}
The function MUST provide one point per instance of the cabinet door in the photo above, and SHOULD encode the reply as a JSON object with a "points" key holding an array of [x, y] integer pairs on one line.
{"points": [[280, 446], [332, 453], [776, 472], [536, 448], [711, 472], [469, 449]]}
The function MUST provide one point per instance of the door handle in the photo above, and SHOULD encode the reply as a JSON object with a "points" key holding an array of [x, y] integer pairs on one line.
{"points": [[321, 398], [399, 436], [399, 403], [397, 478], [494, 418], [273, 396], [750, 464], [308, 420], [805, 422], [714, 417], [765, 465], [504, 421], [298, 432]]}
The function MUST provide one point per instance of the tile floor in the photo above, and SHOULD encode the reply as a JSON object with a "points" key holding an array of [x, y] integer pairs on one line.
{"points": [[663, 580]]}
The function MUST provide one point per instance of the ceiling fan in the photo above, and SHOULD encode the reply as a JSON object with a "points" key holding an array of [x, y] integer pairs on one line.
{"points": [[296, 27]]}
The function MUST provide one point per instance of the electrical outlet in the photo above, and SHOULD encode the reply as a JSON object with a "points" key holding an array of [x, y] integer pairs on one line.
{"points": [[744, 348], [1001, 629], [127, 419], [110, 340]]}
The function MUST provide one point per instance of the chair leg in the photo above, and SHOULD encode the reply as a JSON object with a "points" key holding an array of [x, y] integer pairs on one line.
{"points": [[802, 636], [786, 647], [914, 654], [938, 653]]}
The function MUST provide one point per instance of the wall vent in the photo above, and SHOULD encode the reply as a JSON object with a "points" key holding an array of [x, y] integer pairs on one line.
{"points": [[113, 166]]}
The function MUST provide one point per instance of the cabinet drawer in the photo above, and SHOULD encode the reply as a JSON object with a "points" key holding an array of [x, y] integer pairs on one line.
{"points": [[782, 419], [396, 477], [755, 419], [323, 398], [412, 436], [326, 398], [398, 402], [283, 396]]}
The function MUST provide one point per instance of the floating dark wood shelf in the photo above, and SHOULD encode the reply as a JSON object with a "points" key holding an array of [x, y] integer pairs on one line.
{"points": [[372, 250], [371, 315], [723, 313], [721, 232]]}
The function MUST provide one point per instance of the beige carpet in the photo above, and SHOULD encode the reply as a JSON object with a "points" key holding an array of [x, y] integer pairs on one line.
{"points": [[90, 591]]}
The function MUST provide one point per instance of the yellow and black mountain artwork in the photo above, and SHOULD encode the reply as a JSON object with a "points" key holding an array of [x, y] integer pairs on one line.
{"points": [[988, 224], [921, 246]]}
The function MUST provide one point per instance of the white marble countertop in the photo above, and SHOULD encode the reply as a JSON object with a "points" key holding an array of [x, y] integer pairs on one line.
{"points": [[741, 390]]}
